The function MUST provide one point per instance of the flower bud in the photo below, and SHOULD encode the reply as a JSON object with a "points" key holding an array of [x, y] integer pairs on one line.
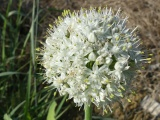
{"points": [[92, 37], [92, 56], [100, 60], [108, 61]]}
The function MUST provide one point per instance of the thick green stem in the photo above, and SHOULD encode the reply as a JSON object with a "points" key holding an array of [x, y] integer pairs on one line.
{"points": [[88, 112]]}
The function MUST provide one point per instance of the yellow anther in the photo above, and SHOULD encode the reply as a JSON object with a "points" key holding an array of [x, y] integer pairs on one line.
{"points": [[92, 100], [99, 9], [67, 12], [91, 8], [124, 48], [106, 111], [86, 80], [79, 21], [121, 95], [128, 100], [128, 40], [143, 68], [109, 25], [51, 26], [64, 13], [148, 59], [37, 49], [55, 93], [133, 92], [59, 18], [130, 46], [117, 38], [122, 88], [107, 81], [111, 96], [72, 14], [85, 15], [36, 57], [119, 90]]}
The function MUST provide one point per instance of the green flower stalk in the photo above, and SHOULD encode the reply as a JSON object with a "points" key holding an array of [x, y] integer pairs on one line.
{"points": [[91, 55]]}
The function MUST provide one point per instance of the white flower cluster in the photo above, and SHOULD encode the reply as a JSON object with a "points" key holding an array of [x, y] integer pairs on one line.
{"points": [[91, 55]]}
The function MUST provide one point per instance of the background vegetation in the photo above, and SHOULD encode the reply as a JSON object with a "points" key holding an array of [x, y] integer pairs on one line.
{"points": [[24, 94]]}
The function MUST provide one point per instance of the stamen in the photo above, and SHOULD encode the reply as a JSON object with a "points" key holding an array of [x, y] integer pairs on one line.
{"points": [[134, 29]]}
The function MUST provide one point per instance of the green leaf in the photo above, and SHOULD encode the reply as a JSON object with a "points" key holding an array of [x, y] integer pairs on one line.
{"points": [[51, 112], [16, 108], [7, 117], [60, 114], [60, 105], [8, 73]]}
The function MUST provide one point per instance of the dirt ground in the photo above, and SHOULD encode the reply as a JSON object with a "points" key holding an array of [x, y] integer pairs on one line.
{"points": [[146, 15]]}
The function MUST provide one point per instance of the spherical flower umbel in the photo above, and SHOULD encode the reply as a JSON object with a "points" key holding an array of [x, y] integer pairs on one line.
{"points": [[91, 55]]}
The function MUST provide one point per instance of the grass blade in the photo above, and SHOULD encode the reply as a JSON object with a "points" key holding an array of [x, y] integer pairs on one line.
{"points": [[51, 112], [60, 105], [9, 73]]}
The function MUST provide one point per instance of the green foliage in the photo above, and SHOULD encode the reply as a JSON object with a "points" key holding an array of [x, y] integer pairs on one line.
{"points": [[23, 92], [51, 113]]}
